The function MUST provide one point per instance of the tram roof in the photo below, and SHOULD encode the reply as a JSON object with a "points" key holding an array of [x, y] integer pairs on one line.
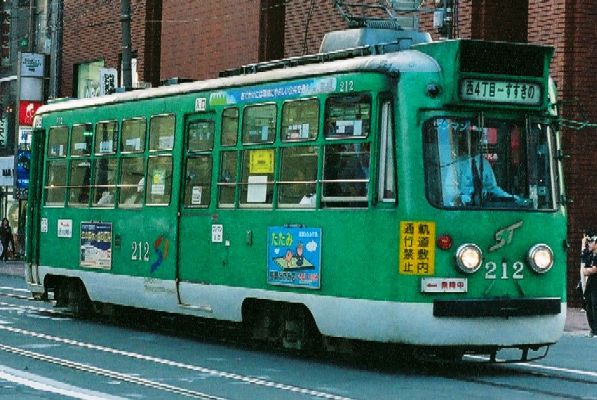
{"points": [[392, 63]]}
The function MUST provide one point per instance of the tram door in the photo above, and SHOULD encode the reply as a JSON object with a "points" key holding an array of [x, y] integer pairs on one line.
{"points": [[33, 224], [195, 219]]}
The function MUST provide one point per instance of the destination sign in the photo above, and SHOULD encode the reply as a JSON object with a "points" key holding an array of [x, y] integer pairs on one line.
{"points": [[523, 93]]}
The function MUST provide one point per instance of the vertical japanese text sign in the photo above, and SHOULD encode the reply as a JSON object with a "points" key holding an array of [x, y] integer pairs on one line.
{"points": [[417, 248]]}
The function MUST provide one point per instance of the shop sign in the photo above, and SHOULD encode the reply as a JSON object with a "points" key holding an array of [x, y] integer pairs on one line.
{"points": [[27, 111], [3, 131], [32, 64]]}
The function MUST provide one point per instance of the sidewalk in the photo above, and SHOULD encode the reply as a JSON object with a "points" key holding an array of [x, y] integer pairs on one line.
{"points": [[576, 319]]}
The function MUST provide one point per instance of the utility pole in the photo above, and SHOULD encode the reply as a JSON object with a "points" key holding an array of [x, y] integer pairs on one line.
{"points": [[56, 48], [125, 19], [31, 45]]}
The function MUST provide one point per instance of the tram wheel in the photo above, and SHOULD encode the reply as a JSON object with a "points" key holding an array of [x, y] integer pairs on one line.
{"points": [[78, 301]]}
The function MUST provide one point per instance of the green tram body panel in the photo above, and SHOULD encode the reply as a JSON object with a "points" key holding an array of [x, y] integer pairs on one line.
{"points": [[360, 247]]}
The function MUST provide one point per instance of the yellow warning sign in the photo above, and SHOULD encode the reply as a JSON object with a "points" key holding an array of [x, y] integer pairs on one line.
{"points": [[417, 248], [261, 161]]}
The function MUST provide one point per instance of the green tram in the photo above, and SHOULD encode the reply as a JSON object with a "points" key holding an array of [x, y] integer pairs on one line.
{"points": [[408, 192]]}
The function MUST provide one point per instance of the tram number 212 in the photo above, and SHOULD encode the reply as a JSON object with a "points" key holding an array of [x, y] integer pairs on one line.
{"points": [[491, 270], [140, 251]]}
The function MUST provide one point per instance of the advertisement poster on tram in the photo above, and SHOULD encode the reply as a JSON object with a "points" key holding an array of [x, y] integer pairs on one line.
{"points": [[96, 245], [294, 257]]}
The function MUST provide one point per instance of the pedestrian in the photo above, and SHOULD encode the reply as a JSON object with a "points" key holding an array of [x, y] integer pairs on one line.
{"points": [[589, 270], [585, 256], [6, 239]]}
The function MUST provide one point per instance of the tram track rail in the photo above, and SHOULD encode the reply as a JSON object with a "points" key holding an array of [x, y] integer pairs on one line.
{"points": [[520, 371], [523, 389], [4, 292], [110, 374]]}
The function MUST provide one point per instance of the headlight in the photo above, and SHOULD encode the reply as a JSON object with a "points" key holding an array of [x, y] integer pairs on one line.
{"points": [[469, 257], [540, 258]]}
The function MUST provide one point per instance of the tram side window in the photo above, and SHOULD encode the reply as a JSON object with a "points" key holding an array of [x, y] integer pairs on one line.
{"points": [[106, 137], [257, 177], [227, 179], [229, 126], [55, 188], [81, 140], [300, 120], [298, 177], [259, 124], [346, 174], [161, 132], [132, 181], [80, 178], [105, 181], [387, 178], [198, 181], [159, 180], [200, 135], [133, 135], [57, 141], [348, 116]]}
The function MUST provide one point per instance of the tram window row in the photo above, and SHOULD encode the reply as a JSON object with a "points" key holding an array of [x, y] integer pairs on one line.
{"points": [[261, 160]]}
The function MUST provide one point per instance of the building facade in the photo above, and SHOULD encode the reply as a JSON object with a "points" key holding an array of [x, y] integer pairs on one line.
{"points": [[92, 41], [28, 30]]}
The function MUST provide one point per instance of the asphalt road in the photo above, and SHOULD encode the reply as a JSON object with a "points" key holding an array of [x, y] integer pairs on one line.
{"points": [[46, 354]]}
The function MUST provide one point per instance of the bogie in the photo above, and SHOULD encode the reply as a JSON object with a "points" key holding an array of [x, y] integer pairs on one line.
{"points": [[290, 326]]}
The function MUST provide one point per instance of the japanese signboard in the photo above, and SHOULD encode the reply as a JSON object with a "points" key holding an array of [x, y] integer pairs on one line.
{"points": [[444, 285], [500, 92], [3, 130], [7, 165], [96, 245], [294, 256], [261, 161], [417, 248], [107, 81], [32, 64]]}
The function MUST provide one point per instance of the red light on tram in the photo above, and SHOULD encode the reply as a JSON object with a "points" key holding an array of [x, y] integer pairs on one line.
{"points": [[444, 241]]}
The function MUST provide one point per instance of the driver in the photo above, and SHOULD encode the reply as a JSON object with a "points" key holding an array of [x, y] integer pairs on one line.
{"points": [[470, 178]]}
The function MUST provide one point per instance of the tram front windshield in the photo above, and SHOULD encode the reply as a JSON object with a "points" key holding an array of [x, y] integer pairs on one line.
{"points": [[476, 163]]}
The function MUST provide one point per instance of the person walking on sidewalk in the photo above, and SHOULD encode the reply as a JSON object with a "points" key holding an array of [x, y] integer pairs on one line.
{"points": [[589, 270], [6, 239]]}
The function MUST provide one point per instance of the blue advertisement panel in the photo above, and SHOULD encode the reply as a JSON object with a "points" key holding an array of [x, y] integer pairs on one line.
{"points": [[96, 245], [22, 169], [294, 256], [304, 87]]}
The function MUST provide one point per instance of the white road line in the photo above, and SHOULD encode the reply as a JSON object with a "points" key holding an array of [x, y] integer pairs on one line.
{"points": [[212, 372], [51, 386], [32, 308], [543, 367], [13, 289]]}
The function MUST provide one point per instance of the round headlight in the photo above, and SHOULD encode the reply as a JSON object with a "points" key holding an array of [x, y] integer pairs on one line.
{"points": [[540, 258], [469, 257]]}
